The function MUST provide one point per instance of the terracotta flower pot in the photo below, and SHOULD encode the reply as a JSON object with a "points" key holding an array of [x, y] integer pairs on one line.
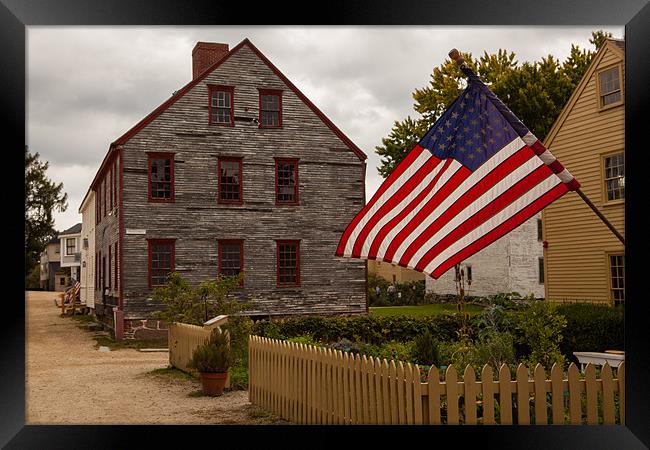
{"points": [[213, 383]]}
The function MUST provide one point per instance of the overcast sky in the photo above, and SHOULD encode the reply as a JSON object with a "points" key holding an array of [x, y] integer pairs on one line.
{"points": [[88, 85]]}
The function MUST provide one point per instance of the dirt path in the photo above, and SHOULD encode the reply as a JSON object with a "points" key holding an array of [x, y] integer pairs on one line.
{"points": [[70, 382]]}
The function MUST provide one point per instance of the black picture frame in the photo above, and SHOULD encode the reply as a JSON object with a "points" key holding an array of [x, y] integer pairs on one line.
{"points": [[16, 15]]}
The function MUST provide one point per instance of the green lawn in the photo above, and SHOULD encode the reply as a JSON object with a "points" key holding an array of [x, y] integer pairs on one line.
{"points": [[422, 310]]}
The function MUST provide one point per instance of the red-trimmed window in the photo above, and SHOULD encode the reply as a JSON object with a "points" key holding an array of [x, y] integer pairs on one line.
{"points": [[98, 206], [288, 255], [230, 180], [111, 176], [286, 181], [270, 108], [161, 260], [117, 179], [161, 177], [222, 105], [116, 266], [108, 280], [104, 197], [231, 257]]}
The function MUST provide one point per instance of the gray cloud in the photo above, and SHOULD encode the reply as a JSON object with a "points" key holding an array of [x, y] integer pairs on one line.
{"points": [[88, 85]]}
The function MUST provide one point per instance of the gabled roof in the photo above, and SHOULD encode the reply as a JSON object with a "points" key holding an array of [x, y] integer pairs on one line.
{"points": [[620, 43], [617, 46], [72, 230], [182, 91]]}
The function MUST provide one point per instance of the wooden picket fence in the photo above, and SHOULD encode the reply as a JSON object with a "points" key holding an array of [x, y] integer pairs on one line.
{"points": [[314, 385], [183, 339]]}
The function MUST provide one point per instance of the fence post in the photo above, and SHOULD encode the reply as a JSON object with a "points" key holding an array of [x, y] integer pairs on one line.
{"points": [[505, 396], [523, 402], [487, 392], [541, 414], [471, 389]]}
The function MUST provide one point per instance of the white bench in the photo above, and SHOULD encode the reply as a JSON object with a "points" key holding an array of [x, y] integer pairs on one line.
{"points": [[614, 359]]}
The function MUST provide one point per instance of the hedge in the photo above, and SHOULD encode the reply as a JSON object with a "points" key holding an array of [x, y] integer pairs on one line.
{"points": [[591, 328], [370, 329]]}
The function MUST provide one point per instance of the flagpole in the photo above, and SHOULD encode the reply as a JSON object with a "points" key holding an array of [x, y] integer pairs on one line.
{"points": [[454, 54], [602, 217]]}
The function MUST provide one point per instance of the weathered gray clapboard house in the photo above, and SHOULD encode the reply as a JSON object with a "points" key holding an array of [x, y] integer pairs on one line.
{"points": [[236, 170]]}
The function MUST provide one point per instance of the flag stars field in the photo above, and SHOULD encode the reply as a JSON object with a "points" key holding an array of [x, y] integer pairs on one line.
{"points": [[441, 205]]}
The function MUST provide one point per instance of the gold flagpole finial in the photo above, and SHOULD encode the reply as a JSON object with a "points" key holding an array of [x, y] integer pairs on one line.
{"points": [[455, 55]]}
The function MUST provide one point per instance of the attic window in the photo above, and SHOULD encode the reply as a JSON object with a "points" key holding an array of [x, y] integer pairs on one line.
{"points": [[609, 87], [222, 105], [270, 108]]}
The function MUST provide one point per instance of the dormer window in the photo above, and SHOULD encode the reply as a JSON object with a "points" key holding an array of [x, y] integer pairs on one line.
{"points": [[222, 105], [270, 108], [609, 87]]}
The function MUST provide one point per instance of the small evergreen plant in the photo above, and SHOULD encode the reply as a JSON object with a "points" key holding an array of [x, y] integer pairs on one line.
{"points": [[213, 356]]}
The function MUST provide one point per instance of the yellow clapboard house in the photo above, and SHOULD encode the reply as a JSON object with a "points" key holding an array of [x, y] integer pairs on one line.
{"points": [[583, 259]]}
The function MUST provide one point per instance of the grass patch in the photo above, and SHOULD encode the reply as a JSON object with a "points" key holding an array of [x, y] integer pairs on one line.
{"points": [[422, 310], [107, 341], [238, 377], [82, 318], [259, 415], [172, 374]]}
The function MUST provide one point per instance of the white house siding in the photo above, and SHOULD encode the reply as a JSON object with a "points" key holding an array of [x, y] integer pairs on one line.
{"points": [[508, 264], [88, 254]]}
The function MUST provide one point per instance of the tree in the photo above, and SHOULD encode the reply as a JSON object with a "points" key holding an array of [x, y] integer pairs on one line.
{"points": [[42, 196], [195, 305], [535, 91]]}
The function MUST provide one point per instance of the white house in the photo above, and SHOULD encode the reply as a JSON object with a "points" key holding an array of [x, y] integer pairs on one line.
{"points": [[514, 263], [87, 211], [71, 250]]}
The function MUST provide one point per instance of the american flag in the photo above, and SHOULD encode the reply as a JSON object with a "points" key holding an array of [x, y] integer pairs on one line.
{"points": [[477, 174]]}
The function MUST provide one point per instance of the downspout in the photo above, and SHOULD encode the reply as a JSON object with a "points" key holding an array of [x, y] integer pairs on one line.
{"points": [[118, 311], [363, 182]]}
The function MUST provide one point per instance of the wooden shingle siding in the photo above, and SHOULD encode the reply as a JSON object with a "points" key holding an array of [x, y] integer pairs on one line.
{"points": [[331, 190], [576, 263]]}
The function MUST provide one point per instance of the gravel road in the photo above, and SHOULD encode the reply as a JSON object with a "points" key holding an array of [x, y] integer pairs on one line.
{"points": [[70, 382]]}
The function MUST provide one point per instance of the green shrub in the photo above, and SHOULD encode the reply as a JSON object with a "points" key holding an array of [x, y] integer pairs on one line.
{"points": [[346, 345], [239, 377], [591, 328], [495, 349], [540, 327], [195, 305], [410, 293], [369, 329], [426, 349], [506, 300], [373, 282], [214, 355], [239, 328], [460, 354], [392, 350], [304, 339]]}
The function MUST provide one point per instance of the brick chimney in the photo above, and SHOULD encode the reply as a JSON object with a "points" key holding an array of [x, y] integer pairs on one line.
{"points": [[205, 54]]}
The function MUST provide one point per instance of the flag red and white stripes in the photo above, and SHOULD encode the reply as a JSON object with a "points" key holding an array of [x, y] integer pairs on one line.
{"points": [[436, 209]]}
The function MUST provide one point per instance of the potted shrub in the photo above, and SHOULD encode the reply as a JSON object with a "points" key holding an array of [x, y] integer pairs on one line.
{"points": [[212, 360]]}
